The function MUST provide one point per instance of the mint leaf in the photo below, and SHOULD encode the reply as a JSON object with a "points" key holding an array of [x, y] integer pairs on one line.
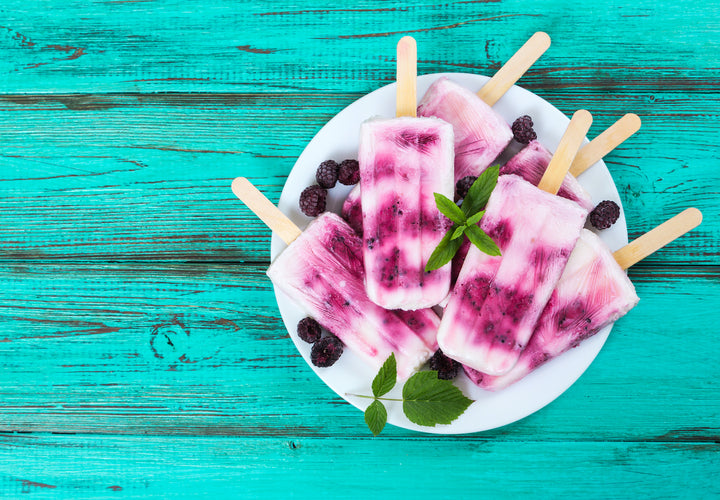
{"points": [[458, 232], [386, 378], [475, 218], [376, 417], [479, 193], [445, 251], [480, 239], [429, 401], [449, 209]]}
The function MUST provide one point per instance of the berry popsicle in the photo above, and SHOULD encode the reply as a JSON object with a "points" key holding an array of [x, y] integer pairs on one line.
{"points": [[403, 161], [480, 133], [530, 162], [593, 292], [497, 300], [322, 271]]}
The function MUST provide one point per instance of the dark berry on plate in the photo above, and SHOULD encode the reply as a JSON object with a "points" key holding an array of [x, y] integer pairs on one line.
{"points": [[349, 172], [463, 186], [309, 330], [605, 214], [327, 174], [326, 351], [447, 368], [312, 200], [522, 129]]}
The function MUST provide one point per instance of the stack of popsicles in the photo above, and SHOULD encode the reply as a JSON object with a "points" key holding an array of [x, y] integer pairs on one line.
{"points": [[554, 285]]}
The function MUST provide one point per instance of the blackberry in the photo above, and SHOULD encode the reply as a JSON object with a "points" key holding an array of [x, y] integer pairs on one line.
{"points": [[327, 174], [447, 368], [326, 351], [522, 129], [605, 214], [349, 172], [463, 186], [309, 330], [312, 200]]}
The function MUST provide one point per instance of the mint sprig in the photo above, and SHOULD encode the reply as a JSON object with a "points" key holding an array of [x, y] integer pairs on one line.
{"points": [[427, 400], [465, 219]]}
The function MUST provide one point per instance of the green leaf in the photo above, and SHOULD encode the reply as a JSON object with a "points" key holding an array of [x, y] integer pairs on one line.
{"points": [[475, 218], [445, 251], [376, 417], [479, 193], [458, 232], [480, 239], [386, 378], [449, 209], [429, 401]]}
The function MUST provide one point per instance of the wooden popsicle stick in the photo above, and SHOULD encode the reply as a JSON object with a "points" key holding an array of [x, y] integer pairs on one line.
{"points": [[611, 138], [265, 210], [566, 151], [657, 238], [406, 98], [516, 67]]}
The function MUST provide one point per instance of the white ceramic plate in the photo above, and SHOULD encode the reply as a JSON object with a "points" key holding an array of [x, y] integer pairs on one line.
{"points": [[338, 140]]}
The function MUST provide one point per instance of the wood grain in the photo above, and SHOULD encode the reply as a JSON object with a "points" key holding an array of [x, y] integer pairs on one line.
{"points": [[199, 349], [146, 176], [150, 467], [165, 46]]}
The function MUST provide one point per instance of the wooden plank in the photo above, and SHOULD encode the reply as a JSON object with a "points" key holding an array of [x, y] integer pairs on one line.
{"points": [[150, 467], [199, 349], [148, 176], [123, 46]]}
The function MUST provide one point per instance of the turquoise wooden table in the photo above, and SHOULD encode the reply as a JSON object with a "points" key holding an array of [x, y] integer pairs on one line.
{"points": [[141, 346]]}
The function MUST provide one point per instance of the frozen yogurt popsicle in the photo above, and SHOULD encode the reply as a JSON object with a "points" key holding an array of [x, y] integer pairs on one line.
{"points": [[593, 292], [530, 162], [322, 271], [480, 133], [497, 300], [403, 161]]}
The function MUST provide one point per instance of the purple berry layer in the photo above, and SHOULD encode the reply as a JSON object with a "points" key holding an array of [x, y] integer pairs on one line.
{"points": [[323, 272], [531, 162], [480, 133], [497, 301], [593, 292], [403, 161]]}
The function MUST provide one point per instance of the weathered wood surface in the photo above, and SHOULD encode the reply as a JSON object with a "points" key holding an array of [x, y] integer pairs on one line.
{"points": [[198, 349], [147, 176], [142, 351], [272, 467]]}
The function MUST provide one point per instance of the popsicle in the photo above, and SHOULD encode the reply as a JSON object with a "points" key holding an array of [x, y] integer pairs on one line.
{"points": [[593, 292], [480, 133], [403, 161], [322, 271], [530, 162], [497, 300]]}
